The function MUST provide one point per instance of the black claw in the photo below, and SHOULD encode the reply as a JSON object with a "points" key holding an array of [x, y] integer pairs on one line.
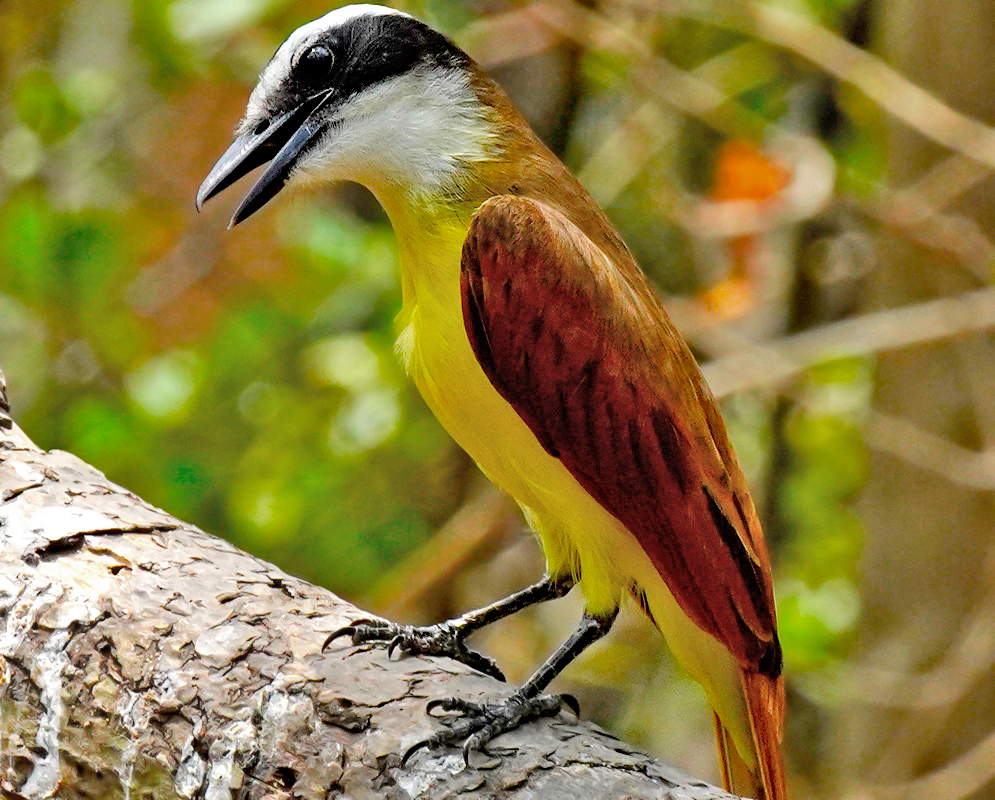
{"points": [[468, 747], [414, 749], [571, 703], [464, 707], [397, 641], [348, 630], [434, 704], [478, 743]]}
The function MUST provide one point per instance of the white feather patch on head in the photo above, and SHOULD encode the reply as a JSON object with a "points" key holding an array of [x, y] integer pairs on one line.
{"points": [[279, 66]]}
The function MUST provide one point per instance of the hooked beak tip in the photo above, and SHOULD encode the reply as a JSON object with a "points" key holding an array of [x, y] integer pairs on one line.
{"points": [[214, 184], [203, 195]]}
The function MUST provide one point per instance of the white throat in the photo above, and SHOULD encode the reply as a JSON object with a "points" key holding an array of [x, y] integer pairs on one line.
{"points": [[420, 132]]}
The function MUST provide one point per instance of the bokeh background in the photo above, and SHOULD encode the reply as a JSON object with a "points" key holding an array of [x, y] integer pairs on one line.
{"points": [[807, 181]]}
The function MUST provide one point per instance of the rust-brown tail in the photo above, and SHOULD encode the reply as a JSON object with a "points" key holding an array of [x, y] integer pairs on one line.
{"points": [[765, 706]]}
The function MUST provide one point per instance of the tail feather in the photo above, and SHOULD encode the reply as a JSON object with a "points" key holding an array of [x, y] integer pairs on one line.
{"points": [[765, 706], [737, 777], [748, 705], [763, 780]]}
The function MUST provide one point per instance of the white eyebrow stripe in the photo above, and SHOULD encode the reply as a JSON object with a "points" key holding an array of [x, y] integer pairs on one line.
{"points": [[340, 16], [335, 19]]}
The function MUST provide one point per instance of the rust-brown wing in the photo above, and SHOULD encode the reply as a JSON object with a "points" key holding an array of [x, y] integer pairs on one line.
{"points": [[583, 351]]}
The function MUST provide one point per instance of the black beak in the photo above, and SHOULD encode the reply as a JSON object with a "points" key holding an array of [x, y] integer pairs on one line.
{"points": [[281, 143]]}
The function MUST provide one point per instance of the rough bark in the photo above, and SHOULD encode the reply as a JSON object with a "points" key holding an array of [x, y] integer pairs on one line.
{"points": [[142, 657]]}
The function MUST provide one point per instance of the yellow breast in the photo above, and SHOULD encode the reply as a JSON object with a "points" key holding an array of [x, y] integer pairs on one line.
{"points": [[577, 534]]}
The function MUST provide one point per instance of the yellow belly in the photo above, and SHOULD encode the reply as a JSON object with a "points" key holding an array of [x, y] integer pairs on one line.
{"points": [[578, 536]]}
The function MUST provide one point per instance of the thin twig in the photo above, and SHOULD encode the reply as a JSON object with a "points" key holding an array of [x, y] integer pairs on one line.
{"points": [[650, 73], [947, 180], [963, 238], [906, 441], [773, 364], [971, 655], [916, 211]]}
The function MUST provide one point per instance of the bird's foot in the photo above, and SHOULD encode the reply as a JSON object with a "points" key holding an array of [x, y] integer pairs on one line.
{"points": [[444, 639], [473, 725]]}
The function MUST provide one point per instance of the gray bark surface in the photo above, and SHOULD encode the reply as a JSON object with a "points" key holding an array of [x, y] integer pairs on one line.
{"points": [[144, 658]]}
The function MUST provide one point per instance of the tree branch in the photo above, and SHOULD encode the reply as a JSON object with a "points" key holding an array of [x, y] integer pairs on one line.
{"points": [[144, 657]]}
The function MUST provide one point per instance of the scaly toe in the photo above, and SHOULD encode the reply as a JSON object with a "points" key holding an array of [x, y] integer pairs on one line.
{"points": [[473, 725], [444, 639], [482, 663], [456, 704], [360, 631]]}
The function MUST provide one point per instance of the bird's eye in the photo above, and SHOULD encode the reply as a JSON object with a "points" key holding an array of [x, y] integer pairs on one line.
{"points": [[314, 63]]}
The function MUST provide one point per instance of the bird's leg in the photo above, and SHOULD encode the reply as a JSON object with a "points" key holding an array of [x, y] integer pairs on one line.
{"points": [[475, 724], [449, 638]]}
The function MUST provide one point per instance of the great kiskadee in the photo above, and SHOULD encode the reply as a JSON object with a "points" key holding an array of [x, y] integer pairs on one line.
{"points": [[541, 347]]}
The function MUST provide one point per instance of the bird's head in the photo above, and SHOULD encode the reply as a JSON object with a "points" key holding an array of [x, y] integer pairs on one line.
{"points": [[365, 93]]}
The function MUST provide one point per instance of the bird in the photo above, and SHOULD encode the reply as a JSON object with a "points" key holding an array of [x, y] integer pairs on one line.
{"points": [[542, 348]]}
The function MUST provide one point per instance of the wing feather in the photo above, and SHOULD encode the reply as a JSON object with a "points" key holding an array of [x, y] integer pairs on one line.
{"points": [[582, 349]]}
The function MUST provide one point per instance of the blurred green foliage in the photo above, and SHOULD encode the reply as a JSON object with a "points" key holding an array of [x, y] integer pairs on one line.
{"points": [[818, 600]]}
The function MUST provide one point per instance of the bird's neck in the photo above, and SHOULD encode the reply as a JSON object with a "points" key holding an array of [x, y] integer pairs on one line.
{"points": [[430, 234], [501, 156]]}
